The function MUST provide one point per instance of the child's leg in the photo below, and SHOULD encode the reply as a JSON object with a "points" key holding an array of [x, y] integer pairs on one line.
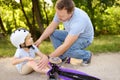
{"points": [[26, 69], [33, 64]]}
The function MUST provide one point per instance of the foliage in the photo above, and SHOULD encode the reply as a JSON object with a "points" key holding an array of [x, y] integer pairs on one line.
{"points": [[98, 12], [12, 15], [110, 21], [104, 14]]}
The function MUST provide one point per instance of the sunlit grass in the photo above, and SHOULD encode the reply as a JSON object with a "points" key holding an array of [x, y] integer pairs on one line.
{"points": [[101, 44], [108, 43], [6, 48], [46, 47]]}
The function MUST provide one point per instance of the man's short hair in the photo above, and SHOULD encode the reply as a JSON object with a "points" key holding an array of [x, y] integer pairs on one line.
{"points": [[65, 4]]}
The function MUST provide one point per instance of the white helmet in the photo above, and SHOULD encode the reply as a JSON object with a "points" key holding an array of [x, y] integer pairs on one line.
{"points": [[18, 37]]}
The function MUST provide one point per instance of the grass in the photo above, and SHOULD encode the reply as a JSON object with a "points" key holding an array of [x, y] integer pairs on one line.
{"points": [[46, 47], [6, 48], [101, 44], [104, 44]]}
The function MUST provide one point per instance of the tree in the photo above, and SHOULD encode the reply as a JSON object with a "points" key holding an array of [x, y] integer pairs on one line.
{"points": [[95, 9], [3, 31], [35, 15], [38, 15]]}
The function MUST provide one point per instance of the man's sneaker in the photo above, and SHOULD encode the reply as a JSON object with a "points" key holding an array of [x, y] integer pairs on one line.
{"points": [[66, 60], [86, 63]]}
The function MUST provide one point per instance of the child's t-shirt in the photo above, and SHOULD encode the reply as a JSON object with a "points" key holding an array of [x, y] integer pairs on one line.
{"points": [[20, 53]]}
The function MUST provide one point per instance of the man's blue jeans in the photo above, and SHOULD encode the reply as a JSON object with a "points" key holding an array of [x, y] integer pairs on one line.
{"points": [[76, 50]]}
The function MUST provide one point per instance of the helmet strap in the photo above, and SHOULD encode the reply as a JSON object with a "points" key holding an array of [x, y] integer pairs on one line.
{"points": [[30, 46]]}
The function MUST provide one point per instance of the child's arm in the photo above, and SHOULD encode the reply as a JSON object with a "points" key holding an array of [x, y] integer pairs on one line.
{"points": [[19, 60]]}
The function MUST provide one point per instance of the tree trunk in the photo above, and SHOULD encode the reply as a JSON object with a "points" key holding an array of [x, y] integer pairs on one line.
{"points": [[28, 23], [47, 21], [89, 3], [31, 27], [38, 15], [14, 19], [2, 26]]}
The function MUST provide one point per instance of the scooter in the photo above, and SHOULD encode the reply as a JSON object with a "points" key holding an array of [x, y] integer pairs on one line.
{"points": [[59, 73]]}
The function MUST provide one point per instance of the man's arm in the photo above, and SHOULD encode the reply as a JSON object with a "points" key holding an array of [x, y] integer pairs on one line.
{"points": [[70, 39], [48, 31]]}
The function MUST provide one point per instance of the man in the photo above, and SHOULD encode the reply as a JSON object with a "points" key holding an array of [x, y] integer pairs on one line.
{"points": [[78, 33]]}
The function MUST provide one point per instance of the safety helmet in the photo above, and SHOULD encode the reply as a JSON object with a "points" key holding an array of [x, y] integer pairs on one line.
{"points": [[18, 37]]}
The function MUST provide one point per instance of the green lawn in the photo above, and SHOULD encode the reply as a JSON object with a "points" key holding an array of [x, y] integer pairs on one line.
{"points": [[104, 44], [6, 48], [101, 44]]}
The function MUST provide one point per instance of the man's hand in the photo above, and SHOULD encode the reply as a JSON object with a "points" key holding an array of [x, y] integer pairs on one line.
{"points": [[37, 43], [43, 63]]}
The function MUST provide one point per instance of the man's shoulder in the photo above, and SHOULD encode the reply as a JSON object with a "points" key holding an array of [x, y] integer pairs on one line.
{"points": [[79, 11]]}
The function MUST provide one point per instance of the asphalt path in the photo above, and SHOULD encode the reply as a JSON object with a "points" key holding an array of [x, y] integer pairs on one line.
{"points": [[106, 66]]}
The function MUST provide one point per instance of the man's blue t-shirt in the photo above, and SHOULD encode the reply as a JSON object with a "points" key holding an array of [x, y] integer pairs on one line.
{"points": [[79, 24]]}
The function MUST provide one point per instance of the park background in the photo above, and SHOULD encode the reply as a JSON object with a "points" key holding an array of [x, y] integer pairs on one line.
{"points": [[35, 15]]}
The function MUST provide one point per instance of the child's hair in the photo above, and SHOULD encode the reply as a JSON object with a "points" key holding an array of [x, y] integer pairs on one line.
{"points": [[18, 37]]}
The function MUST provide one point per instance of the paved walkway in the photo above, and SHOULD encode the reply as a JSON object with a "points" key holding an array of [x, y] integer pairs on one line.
{"points": [[104, 66]]}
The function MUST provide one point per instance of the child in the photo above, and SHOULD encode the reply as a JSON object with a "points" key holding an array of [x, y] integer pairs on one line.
{"points": [[25, 53]]}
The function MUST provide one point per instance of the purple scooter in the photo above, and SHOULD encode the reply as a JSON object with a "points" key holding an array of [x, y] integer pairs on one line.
{"points": [[58, 73]]}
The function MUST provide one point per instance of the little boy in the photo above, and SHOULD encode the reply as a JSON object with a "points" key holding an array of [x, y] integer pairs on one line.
{"points": [[25, 53]]}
